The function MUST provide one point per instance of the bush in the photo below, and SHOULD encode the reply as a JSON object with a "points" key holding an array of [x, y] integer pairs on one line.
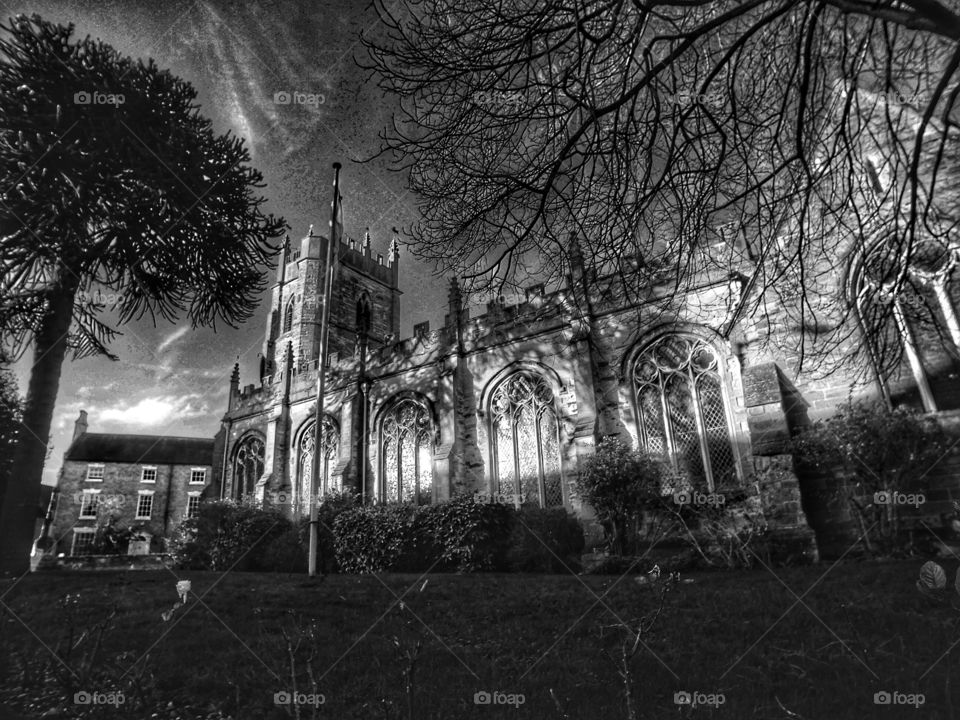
{"points": [[621, 484], [545, 540], [879, 452], [468, 535], [372, 538], [327, 512], [287, 553], [459, 536], [226, 535]]}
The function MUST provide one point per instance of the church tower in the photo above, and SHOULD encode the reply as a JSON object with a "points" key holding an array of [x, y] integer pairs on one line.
{"points": [[365, 296]]}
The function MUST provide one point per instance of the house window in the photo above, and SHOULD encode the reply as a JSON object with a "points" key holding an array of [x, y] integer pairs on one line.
{"points": [[526, 444], [406, 452], [148, 475], [247, 466], [95, 472], [682, 416], [144, 505], [82, 542], [198, 476], [193, 505], [329, 442], [89, 503]]}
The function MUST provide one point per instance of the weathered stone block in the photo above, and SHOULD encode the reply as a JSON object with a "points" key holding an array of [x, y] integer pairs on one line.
{"points": [[761, 385]]}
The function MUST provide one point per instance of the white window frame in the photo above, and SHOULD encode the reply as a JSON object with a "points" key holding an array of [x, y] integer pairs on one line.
{"points": [[143, 472], [86, 532], [191, 496], [83, 504], [91, 467], [140, 495], [195, 470]]}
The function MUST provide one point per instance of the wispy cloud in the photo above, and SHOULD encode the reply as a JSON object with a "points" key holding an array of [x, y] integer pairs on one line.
{"points": [[172, 338]]}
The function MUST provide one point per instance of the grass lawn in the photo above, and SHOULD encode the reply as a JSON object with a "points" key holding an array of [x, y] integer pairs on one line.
{"points": [[771, 645]]}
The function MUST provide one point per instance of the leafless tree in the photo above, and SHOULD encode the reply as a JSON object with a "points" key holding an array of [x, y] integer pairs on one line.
{"points": [[783, 141]]}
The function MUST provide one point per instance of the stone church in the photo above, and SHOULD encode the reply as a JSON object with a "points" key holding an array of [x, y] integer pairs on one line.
{"points": [[506, 402]]}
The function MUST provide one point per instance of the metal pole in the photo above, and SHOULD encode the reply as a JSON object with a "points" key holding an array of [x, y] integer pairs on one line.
{"points": [[321, 375]]}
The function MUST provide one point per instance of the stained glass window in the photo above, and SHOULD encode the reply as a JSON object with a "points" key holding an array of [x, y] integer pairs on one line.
{"points": [[407, 454], [330, 441], [681, 410], [247, 466], [526, 440]]}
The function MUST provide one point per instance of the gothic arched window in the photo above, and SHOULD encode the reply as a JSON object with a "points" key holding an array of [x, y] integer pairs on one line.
{"points": [[914, 332], [680, 409], [526, 440], [329, 442], [363, 315], [288, 316], [406, 452], [247, 466]]}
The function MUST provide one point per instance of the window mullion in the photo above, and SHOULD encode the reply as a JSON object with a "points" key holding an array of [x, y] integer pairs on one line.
{"points": [[541, 480], [518, 483], [701, 430], [949, 311], [910, 349], [667, 425]]}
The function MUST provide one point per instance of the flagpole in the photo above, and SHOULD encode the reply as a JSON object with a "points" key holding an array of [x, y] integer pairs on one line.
{"points": [[321, 376]]}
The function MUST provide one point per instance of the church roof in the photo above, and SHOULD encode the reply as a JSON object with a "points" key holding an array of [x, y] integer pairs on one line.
{"points": [[145, 449]]}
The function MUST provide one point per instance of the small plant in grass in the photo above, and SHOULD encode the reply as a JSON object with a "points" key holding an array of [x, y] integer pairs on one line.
{"points": [[880, 452], [407, 643], [293, 643], [629, 637], [621, 484]]}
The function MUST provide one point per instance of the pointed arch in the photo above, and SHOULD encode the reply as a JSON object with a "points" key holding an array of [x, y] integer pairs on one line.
{"points": [[363, 314], [305, 451], [406, 433], [248, 464], [288, 315], [914, 342], [681, 400], [525, 436]]}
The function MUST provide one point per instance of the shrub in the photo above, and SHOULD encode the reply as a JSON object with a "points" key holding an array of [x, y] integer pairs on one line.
{"points": [[545, 540], [460, 536], [327, 512], [227, 535], [732, 535], [287, 553], [879, 451], [372, 538], [468, 535], [621, 484]]}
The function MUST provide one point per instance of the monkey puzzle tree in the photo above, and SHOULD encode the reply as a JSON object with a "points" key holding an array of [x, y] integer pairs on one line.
{"points": [[10, 407], [111, 179], [669, 137]]}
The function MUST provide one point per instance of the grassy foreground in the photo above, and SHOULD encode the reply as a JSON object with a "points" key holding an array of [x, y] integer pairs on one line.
{"points": [[774, 644]]}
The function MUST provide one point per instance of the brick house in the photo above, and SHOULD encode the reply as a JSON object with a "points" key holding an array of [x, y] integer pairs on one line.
{"points": [[149, 483]]}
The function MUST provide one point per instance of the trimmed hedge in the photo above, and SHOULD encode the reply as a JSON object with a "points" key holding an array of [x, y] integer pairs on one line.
{"points": [[461, 535], [227, 535]]}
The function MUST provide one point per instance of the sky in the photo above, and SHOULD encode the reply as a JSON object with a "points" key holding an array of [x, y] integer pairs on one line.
{"points": [[170, 379]]}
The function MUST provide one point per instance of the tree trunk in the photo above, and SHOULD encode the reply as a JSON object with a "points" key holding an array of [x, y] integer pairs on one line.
{"points": [[21, 501]]}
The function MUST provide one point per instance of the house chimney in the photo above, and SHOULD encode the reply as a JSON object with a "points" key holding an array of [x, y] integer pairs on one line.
{"points": [[80, 425]]}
